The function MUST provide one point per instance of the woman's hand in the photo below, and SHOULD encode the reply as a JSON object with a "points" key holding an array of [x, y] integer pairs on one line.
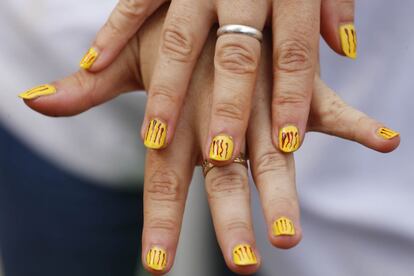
{"points": [[296, 27], [168, 172]]}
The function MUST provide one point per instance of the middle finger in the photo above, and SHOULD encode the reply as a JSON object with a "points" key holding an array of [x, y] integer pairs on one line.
{"points": [[236, 62]]}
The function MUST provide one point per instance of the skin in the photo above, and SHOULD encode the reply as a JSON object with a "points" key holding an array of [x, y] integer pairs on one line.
{"points": [[168, 172], [236, 64]]}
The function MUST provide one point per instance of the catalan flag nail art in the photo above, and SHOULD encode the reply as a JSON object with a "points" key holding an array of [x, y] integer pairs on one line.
{"points": [[243, 255], [348, 40], [221, 148], [283, 227], [157, 258], [155, 137], [289, 139], [387, 133], [42, 90], [89, 59]]}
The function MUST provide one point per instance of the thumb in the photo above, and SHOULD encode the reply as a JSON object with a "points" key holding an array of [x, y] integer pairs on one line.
{"points": [[83, 90]]}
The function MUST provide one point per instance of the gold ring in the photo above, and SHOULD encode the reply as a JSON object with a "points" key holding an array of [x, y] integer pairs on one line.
{"points": [[241, 159]]}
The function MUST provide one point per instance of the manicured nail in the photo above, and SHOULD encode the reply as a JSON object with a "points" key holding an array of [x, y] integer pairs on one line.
{"points": [[41, 90], [89, 59], [155, 137], [289, 139], [283, 227], [157, 258], [244, 255], [348, 40], [221, 148], [387, 133]]}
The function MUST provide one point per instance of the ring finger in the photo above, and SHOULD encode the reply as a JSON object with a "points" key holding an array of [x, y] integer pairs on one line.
{"points": [[229, 199]]}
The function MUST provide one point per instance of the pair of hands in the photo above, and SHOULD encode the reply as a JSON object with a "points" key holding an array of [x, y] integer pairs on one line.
{"points": [[296, 29], [168, 172]]}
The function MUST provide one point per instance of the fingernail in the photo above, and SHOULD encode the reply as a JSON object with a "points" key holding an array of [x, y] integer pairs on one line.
{"points": [[157, 258], [41, 90], [348, 40], [221, 148], [289, 139], [244, 255], [283, 227], [387, 133], [89, 59], [155, 137]]}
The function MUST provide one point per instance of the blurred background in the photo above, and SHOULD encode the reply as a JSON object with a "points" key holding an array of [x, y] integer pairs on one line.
{"points": [[70, 199]]}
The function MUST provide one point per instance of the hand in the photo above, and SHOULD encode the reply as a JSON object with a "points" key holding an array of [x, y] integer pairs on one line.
{"points": [[295, 42], [168, 172]]}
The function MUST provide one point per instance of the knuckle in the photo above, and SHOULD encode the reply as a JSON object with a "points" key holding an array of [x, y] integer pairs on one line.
{"points": [[226, 184], [293, 56], [132, 9], [160, 223], [163, 94], [270, 162], [296, 98], [236, 58], [283, 202], [88, 87], [164, 185], [237, 224], [177, 42], [230, 110]]}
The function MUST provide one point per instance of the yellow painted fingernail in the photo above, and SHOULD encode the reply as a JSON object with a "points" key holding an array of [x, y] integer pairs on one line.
{"points": [[155, 137], [289, 139], [221, 148], [244, 255], [387, 133], [89, 59], [283, 227], [41, 90], [157, 258], [348, 40]]}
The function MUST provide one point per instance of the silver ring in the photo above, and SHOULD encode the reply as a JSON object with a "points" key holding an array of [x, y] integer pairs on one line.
{"points": [[240, 29]]}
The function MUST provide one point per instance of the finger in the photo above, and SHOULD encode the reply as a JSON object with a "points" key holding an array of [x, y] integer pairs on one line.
{"points": [[167, 177], [83, 90], [185, 30], [337, 26], [229, 199], [273, 171], [236, 61], [296, 37], [333, 116], [123, 23]]}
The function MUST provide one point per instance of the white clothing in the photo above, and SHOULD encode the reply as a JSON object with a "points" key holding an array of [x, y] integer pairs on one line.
{"points": [[42, 41]]}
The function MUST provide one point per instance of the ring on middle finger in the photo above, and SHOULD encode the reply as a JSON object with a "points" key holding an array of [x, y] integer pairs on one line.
{"points": [[240, 29]]}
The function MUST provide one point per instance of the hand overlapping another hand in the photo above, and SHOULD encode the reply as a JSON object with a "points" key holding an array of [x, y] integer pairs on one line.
{"points": [[296, 25], [168, 172]]}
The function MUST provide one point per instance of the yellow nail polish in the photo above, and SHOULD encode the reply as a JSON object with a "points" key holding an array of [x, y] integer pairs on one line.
{"points": [[244, 255], [348, 40], [289, 139], [155, 137], [221, 148], [387, 133], [41, 90], [89, 59], [283, 227], [157, 258]]}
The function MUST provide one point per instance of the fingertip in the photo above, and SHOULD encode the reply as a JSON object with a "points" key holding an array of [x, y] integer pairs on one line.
{"points": [[157, 260], [243, 259], [285, 233], [386, 140]]}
